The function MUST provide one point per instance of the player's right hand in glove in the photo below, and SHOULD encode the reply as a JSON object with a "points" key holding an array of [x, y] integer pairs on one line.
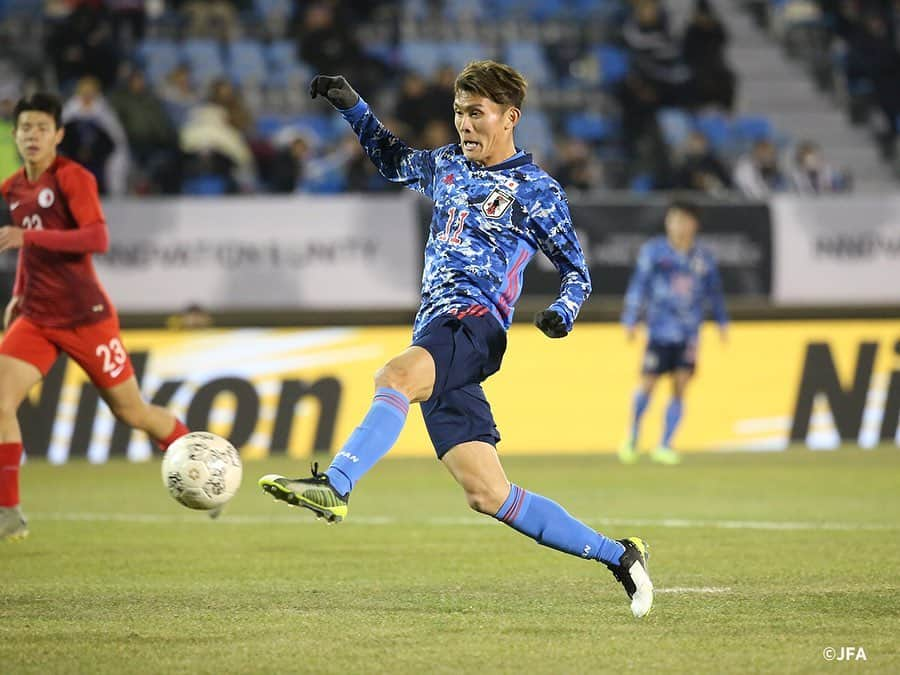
{"points": [[336, 89], [551, 323]]}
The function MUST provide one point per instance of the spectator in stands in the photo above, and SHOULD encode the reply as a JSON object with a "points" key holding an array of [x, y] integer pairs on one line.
{"points": [[95, 137], [215, 149], [811, 174], [757, 175], [411, 108], [129, 20], [83, 43], [152, 138], [212, 18], [703, 49], [873, 56], [328, 45], [225, 94], [178, 94], [700, 168], [656, 78], [578, 170]]}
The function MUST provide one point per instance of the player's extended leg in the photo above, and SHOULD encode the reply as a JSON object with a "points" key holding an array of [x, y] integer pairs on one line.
{"points": [[17, 377], [476, 467], [664, 454], [628, 453], [127, 404], [407, 378]]}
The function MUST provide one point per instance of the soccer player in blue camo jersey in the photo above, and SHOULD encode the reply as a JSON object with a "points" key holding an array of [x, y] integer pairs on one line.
{"points": [[493, 209], [674, 281]]}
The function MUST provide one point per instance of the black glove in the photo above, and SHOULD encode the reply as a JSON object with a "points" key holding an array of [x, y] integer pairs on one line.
{"points": [[551, 323], [336, 89]]}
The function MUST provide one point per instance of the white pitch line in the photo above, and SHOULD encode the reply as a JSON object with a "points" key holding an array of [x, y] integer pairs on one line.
{"points": [[699, 589], [301, 519]]}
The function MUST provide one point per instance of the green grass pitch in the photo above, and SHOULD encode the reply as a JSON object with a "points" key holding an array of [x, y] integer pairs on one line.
{"points": [[761, 561]]}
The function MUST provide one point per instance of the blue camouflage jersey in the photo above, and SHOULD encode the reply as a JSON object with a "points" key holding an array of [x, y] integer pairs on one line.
{"points": [[487, 225], [673, 289]]}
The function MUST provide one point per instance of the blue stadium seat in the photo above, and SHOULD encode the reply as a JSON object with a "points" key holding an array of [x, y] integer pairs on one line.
{"points": [[590, 127], [205, 59], [675, 125], [206, 185], [458, 54], [274, 9], [716, 129], [529, 59], [751, 128], [535, 134], [457, 10], [613, 63], [246, 62], [422, 56], [158, 58], [281, 54]]}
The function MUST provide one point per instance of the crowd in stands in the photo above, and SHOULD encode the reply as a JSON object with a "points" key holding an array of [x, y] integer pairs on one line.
{"points": [[209, 96]]}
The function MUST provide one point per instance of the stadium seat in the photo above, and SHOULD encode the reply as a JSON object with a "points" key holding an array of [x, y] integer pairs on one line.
{"points": [[422, 56], [716, 129], [458, 54], [461, 10], [158, 58], [205, 185], [613, 64], [535, 134], [205, 59], [675, 125], [246, 62], [529, 59], [274, 9], [590, 127], [751, 128]]}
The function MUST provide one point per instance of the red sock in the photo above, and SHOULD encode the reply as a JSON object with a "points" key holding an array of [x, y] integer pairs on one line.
{"points": [[179, 431], [10, 458]]}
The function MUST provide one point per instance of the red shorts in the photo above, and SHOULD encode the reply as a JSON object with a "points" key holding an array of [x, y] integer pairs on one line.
{"points": [[96, 347]]}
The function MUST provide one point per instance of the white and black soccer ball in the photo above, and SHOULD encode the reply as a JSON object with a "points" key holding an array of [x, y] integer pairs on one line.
{"points": [[202, 470]]}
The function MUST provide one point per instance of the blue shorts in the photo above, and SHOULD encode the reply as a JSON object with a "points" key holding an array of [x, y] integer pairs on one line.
{"points": [[466, 352], [666, 357]]}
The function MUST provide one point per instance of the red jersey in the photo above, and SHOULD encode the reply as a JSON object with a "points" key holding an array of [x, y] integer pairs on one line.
{"points": [[64, 225]]}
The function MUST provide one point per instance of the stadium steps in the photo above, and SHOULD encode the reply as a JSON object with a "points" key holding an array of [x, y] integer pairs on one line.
{"points": [[771, 83]]}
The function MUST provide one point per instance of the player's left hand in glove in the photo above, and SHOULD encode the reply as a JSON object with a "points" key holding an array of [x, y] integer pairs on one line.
{"points": [[551, 323], [336, 89]]}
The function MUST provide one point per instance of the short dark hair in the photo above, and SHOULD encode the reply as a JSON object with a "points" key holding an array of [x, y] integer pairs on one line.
{"points": [[40, 101], [685, 206], [495, 81]]}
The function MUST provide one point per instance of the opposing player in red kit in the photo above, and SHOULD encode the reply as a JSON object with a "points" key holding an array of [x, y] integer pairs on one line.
{"points": [[58, 303]]}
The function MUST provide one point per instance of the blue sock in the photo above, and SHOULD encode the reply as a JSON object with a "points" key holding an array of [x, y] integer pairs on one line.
{"points": [[549, 524], [640, 405], [673, 417], [370, 441]]}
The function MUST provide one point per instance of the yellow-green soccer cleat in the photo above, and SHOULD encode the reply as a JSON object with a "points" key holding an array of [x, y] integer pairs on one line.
{"points": [[667, 456], [631, 572], [314, 493], [628, 454], [13, 526]]}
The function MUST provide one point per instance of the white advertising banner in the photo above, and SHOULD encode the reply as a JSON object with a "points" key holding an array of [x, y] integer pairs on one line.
{"points": [[262, 253], [836, 249]]}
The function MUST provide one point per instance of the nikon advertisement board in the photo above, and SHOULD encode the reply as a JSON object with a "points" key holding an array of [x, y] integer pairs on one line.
{"points": [[299, 391], [612, 233]]}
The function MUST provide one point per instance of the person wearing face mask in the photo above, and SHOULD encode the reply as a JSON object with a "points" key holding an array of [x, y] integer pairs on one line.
{"points": [[811, 174], [494, 208]]}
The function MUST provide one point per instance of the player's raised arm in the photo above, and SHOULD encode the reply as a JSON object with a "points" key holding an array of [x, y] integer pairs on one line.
{"points": [[556, 238], [638, 288], [394, 159]]}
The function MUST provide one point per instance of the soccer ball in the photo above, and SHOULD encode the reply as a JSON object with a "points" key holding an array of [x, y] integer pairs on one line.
{"points": [[201, 470]]}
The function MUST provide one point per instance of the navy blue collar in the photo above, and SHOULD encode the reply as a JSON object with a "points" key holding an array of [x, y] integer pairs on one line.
{"points": [[521, 158]]}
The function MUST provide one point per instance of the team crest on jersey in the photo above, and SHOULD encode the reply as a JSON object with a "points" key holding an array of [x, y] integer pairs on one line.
{"points": [[46, 198], [496, 204]]}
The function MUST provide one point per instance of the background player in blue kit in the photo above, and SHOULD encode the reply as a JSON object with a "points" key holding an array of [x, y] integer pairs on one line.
{"points": [[673, 282], [493, 209]]}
